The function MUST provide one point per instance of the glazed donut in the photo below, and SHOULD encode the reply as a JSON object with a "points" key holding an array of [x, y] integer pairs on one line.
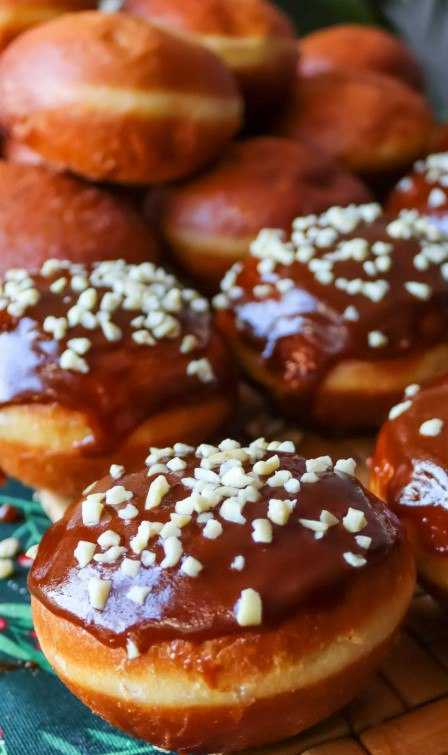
{"points": [[424, 189], [44, 214], [150, 106], [18, 15], [410, 472], [372, 123], [103, 360], [234, 598], [254, 39], [210, 221], [359, 48], [336, 321]]}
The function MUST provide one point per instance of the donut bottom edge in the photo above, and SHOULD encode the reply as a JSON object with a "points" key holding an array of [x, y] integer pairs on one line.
{"points": [[163, 696]]}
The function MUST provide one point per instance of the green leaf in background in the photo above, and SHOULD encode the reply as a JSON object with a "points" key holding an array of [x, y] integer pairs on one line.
{"points": [[311, 14]]}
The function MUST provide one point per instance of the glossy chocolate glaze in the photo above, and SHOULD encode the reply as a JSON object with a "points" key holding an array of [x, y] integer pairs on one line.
{"points": [[416, 191], [302, 333], [126, 383], [411, 469], [292, 570]]}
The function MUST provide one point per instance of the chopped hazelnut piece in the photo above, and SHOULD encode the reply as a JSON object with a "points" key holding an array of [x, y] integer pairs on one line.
{"points": [[84, 552], [138, 594], [249, 609], [354, 520], [9, 547], [157, 491], [191, 566], [98, 590]]}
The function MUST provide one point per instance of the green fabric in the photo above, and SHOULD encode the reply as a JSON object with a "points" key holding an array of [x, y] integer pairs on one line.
{"points": [[38, 715]]}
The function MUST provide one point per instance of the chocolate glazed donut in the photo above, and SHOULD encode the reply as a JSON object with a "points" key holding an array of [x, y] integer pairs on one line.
{"points": [[103, 359], [336, 321], [410, 472], [223, 598]]}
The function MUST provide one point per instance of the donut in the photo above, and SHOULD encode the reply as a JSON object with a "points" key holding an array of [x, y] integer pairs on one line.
{"points": [[359, 48], [177, 617], [210, 221], [424, 189], [336, 321], [255, 40], [16, 16], [150, 106], [372, 123], [410, 471], [99, 360], [43, 213]]}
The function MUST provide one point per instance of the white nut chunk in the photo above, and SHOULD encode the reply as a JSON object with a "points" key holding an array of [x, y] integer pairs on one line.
{"points": [[249, 608], [138, 594], [9, 547], [173, 551], [262, 531], [191, 566], [431, 428], [354, 520], [98, 590], [156, 492], [84, 552], [91, 510], [6, 568]]}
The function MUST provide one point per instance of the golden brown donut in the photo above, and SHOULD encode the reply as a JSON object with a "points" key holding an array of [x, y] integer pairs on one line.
{"points": [[359, 48], [16, 16], [424, 189], [210, 221], [410, 472], [114, 98], [334, 322], [254, 39], [99, 360], [224, 598], [372, 123], [43, 214]]}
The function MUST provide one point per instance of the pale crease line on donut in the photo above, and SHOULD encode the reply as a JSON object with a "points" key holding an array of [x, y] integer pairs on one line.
{"points": [[376, 378], [246, 52], [28, 15], [140, 104], [58, 429], [174, 690], [211, 244]]}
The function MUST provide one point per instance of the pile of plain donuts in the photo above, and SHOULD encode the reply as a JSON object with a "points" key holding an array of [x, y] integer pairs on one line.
{"points": [[192, 200]]}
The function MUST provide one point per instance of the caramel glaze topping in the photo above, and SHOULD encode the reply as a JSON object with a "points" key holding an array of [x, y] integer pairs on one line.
{"points": [[267, 531], [411, 463], [350, 283], [117, 342], [425, 189]]}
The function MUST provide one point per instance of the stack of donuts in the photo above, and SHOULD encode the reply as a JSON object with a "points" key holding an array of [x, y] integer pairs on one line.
{"points": [[210, 227]]}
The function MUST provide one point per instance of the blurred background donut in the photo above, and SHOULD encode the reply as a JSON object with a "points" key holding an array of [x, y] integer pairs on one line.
{"points": [[45, 214], [359, 48], [210, 221], [102, 359], [410, 472], [335, 320], [114, 98], [254, 39], [374, 124], [424, 189], [18, 15]]}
